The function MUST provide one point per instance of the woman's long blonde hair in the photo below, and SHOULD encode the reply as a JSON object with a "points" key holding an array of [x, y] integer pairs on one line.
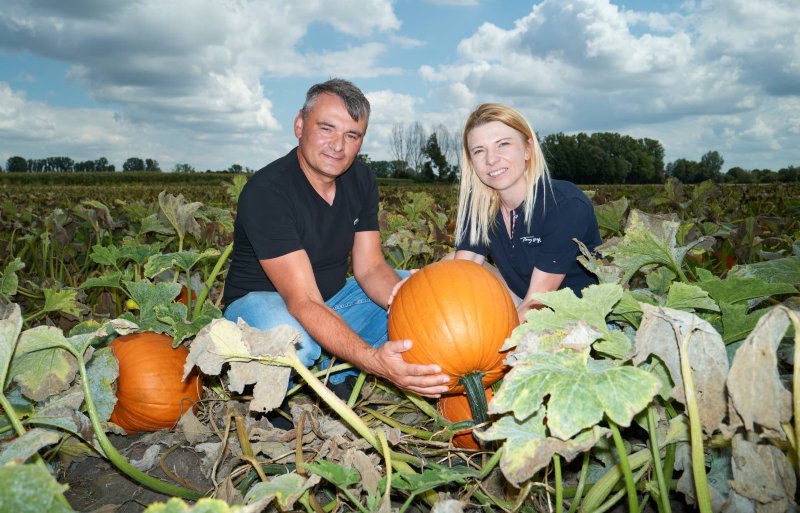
{"points": [[478, 203]]}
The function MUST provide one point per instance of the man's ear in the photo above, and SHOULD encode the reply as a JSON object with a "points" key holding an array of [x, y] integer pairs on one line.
{"points": [[298, 124]]}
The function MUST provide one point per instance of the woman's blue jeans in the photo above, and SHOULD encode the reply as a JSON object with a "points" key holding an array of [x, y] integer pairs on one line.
{"points": [[265, 310]]}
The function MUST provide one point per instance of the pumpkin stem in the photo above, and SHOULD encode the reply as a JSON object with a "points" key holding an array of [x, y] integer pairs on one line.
{"points": [[476, 395]]}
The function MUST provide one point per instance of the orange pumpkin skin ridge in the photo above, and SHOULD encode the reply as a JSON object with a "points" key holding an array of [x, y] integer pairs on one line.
{"points": [[455, 408], [458, 314], [150, 392]]}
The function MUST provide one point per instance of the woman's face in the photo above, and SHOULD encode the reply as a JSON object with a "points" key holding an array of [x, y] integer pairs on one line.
{"points": [[499, 155]]}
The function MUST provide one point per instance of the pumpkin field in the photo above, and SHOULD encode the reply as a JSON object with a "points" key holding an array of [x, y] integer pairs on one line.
{"points": [[672, 385]]}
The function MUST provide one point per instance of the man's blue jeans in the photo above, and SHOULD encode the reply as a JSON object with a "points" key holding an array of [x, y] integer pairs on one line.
{"points": [[265, 310]]}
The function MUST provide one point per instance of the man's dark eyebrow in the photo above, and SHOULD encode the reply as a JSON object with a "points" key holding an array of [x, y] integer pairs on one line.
{"points": [[331, 125]]}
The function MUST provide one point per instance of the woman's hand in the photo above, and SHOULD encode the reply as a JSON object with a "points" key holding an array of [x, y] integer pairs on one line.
{"points": [[397, 287]]}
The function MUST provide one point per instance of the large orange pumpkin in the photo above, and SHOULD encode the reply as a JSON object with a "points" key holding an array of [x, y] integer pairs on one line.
{"points": [[456, 409], [151, 394], [457, 314]]}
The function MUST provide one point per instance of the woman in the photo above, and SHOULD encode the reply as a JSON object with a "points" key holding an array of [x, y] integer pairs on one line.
{"points": [[511, 211]]}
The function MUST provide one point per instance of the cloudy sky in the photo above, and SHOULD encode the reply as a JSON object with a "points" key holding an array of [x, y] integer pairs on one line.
{"points": [[217, 82]]}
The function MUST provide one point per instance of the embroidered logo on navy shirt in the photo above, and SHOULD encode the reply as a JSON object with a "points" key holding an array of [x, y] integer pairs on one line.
{"points": [[531, 240], [355, 222]]}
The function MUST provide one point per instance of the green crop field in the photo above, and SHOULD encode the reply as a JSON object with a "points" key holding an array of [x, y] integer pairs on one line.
{"points": [[669, 381]]}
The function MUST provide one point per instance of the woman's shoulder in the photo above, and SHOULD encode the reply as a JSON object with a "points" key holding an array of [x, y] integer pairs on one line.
{"points": [[563, 190]]}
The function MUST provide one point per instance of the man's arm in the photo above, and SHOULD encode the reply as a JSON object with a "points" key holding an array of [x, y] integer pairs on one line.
{"points": [[294, 280]]}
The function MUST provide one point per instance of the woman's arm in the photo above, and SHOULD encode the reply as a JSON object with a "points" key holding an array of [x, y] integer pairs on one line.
{"points": [[540, 282]]}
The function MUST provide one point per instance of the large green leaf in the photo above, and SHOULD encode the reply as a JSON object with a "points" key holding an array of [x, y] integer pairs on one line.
{"points": [[689, 297], [19, 450], [39, 367], [581, 390], [611, 214], [10, 327], [102, 371], [204, 505], [737, 287], [781, 270], [340, 476], [649, 240], [31, 489], [565, 308], [285, 489], [150, 295], [737, 322], [109, 279], [57, 299], [105, 255], [528, 449], [184, 260], [180, 213]]}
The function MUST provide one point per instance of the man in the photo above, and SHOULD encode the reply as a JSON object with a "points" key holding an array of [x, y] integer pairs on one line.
{"points": [[298, 221]]}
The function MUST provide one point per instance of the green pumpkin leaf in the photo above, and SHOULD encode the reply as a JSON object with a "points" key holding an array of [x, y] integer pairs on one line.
{"points": [[10, 327], [150, 295], [184, 260], [19, 450], [740, 287], [204, 505], [430, 478], [565, 308], [285, 489], [62, 300], [31, 489], [109, 279], [581, 390], [180, 213], [102, 371], [528, 449], [689, 297], [154, 224], [649, 240], [780, 270], [105, 255], [340, 476], [737, 322], [39, 367], [8, 278], [611, 214]]}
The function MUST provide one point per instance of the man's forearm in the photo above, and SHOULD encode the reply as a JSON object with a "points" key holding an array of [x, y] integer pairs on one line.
{"points": [[330, 331], [378, 283]]}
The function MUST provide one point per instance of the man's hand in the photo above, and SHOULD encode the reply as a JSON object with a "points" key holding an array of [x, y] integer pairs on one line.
{"points": [[398, 285], [424, 380]]}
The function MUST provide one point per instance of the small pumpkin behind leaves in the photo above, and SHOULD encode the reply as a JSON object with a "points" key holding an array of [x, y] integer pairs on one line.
{"points": [[151, 393], [455, 408], [457, 314]]}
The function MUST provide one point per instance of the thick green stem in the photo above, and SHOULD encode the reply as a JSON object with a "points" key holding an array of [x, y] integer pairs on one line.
{"points": [[559, 484], [695, 429], [630, 486], [201, 298], [476, 395], [652, 428], [581, 483], [111, 452], [424, 434]]}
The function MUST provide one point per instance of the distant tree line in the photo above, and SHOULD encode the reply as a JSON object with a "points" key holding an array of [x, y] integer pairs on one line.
{"points": [[434, 155]]}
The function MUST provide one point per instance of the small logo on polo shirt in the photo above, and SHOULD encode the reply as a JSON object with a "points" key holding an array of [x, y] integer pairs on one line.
{"points": [[531, 240], [355, 222]]}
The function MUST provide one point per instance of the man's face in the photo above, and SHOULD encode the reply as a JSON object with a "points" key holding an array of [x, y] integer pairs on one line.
{"points": [[329, 139]]}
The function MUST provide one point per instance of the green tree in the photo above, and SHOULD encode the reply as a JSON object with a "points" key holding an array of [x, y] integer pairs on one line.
{"points": [[17, 164], [235, 168], [183, 168], [436, 158], [133, 164], [152, 165]]}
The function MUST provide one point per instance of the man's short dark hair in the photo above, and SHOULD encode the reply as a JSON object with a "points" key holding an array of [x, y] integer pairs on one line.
{"points": [[354, 100]]}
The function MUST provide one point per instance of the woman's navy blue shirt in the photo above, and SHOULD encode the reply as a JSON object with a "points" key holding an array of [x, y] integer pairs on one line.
{"points": [[561, 213]]}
